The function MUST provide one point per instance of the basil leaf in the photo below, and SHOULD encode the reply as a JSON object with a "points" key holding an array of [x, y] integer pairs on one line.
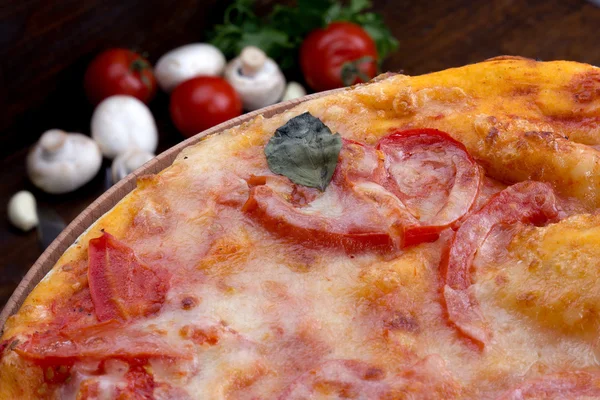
{"points": [[305, 151]]}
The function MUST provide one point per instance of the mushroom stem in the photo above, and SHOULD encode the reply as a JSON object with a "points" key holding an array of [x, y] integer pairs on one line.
{"points": [[52, 142], [252, 59]]}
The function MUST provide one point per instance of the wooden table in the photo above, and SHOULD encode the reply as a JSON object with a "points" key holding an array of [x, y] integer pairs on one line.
{"points": [[45, 47]]}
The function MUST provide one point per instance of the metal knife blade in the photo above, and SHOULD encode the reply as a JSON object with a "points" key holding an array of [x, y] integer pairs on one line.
{"points": [[49, 227]]}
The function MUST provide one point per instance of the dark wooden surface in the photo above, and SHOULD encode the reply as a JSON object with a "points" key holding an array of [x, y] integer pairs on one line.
{"points": [[45, 47]]}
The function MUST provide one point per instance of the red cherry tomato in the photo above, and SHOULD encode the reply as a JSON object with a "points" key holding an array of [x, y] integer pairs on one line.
{"points": [[119, 71], [340, 55], [203, 102]]}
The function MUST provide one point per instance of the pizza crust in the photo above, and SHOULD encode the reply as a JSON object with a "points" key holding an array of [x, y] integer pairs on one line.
{"points": [[519, 118]]}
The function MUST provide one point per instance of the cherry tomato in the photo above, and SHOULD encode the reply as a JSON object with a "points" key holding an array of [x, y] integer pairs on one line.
{"points": [[203, 102], [119, 71], [340, 55]]}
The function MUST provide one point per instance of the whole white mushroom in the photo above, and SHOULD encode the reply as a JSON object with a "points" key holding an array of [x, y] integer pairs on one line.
{"points": [[187, 62], [122, 122], [257, 78], [61, 162], [127, 162]]}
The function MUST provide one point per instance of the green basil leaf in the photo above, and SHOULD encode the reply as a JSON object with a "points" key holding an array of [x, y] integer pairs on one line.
{"points": [[305, 151]]}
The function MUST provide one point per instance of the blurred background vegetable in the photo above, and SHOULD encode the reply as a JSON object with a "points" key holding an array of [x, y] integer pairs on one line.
{"points": [[342, 54], [186, 62], [281, 33], [119, 71], [256, 78], [123, 122], [203, 102]]}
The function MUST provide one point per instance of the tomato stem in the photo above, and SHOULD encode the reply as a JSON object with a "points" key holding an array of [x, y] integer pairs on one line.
{"points": [[351, 70], [139, 65]]}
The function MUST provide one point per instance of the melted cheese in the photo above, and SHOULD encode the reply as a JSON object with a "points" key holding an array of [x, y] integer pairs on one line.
{"points": [[260, 313], [552, 274]]}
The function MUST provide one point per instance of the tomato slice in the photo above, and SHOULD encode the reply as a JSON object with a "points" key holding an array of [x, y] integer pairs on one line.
{"points": [[525, 202], [121, 286], [402, 193], [432, 174], [563, 385], [354, 212], [335, 219], [109, 339]]}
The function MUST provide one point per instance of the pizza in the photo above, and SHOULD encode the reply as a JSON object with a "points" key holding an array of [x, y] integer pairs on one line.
{"points": [[426, 237]]}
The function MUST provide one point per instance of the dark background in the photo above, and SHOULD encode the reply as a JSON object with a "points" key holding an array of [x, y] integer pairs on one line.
{"points": [[46, 45]]}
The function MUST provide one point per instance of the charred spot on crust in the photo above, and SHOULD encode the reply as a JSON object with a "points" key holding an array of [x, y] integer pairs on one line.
{"points": [[547, 139], [189, 302], [586, 87], [544, 135], [402, 321], [525, 90], [492, 134]]}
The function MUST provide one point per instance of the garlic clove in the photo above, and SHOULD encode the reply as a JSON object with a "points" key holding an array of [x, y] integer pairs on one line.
{"points": [[22, 211], [293, 90], [61, 162], [256, 78], [121, 122], [129, 161]]}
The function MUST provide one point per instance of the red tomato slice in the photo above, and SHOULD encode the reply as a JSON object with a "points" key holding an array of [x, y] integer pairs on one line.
{"points": [[350, 224], [121, 286], [354, 212], [432, 174], [105, 340], [563, 385], [525, 202], [357, 212]]}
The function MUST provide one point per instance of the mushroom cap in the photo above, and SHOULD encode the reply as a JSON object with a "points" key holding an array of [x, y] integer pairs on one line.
{"points": [[263, 88], [122, 122], [61, 162], [187, 62], [127, 162]]}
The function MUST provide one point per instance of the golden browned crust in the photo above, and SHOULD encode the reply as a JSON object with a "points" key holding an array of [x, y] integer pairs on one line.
{"points": [[520, 119]]}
